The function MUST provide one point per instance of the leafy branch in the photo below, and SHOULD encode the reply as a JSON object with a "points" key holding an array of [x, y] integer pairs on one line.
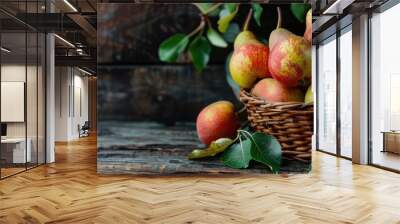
{"points": [[199, 43]]}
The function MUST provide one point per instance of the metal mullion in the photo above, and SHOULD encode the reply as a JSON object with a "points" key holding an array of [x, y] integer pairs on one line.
{"points": [[316, 104], [338, 95], [369, 101], [37, 90], [26, 87], [45, 94], [45, 91]]}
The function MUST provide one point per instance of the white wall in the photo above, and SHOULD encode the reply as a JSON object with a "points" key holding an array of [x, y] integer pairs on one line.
{"points": [[62, 81], [71, 102], [33, 127], [16, 73]]}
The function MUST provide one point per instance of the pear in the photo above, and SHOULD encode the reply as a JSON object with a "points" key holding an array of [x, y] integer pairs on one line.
{"points": [[309, 98], [290, 61], [290, 57], [245, 37], [217, 120], [279, 33], [271, 90], [249, 60], [308, 32]]}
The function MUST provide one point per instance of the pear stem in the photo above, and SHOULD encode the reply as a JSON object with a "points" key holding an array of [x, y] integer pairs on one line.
{"points": [[279, 24], [247, 22]]}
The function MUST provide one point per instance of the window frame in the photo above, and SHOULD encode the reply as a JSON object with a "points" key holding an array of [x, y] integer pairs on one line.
{"points": [[381, 9], [337, 35]]}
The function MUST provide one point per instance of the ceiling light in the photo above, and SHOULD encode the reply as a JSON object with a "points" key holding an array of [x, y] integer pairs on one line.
{"points": [[84, 71], [5, 50], [70, 5], [65, 41]]}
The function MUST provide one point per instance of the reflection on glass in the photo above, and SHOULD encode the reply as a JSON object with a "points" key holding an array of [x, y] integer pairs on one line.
{"points": [[31, 101], [14, 151], [22, 92], [41, 99], [346, 94], [327, 96], [385, 84]]}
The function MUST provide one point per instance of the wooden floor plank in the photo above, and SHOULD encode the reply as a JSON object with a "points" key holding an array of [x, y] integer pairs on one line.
{"points": [[71, 191]]}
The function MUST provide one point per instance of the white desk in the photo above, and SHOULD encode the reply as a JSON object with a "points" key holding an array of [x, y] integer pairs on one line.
{"points": [[19, 153]]}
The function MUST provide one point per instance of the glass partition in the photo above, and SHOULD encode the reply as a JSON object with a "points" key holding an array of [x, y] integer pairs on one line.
{"points": [[346, 92], [22, 107], [41, 96], [14, 151], [327, 96], [32, 98], [385, 89]]}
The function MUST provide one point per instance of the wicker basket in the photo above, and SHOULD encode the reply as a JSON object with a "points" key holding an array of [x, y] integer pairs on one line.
{"points": [[291, 123]]}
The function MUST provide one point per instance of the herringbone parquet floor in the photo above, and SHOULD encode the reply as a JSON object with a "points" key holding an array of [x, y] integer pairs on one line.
{"points": [[70, 191]]}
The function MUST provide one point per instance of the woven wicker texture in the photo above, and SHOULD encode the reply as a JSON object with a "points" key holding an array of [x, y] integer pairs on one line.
{"points": [[290, 122]]}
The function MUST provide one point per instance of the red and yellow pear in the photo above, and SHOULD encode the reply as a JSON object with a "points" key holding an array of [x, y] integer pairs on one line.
{"points": [[290, 58], [217, 120], [273, 91], [279, 34], [249, 60], [245, 37], [308, 32]]}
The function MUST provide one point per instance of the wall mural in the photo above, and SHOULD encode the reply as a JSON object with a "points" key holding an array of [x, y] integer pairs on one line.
{"points": [[204, 88]]}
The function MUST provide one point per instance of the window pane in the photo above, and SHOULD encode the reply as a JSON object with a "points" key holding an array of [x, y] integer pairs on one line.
{"points": [[14, 153], [41, 99], [346, 94], [31, 99], [327, 96], [385, 84]]}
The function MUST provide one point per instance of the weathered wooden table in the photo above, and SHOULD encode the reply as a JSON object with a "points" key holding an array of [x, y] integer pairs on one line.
{"points": [[151, 148]]}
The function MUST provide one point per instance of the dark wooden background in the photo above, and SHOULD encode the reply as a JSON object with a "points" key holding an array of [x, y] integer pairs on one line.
{"points": [[135, 85], [131, 33], [163, 93]]}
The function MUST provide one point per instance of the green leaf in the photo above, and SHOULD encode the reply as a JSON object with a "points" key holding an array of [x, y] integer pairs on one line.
{"points": [[215, 38], [238, 155], [225, 18], [215, 147], [267, 150], [200, 51], [172, 47], [232, 32], [204, 7], [224, 12], [258, 10], [230, 6], [235, 87], [299, 10]]}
